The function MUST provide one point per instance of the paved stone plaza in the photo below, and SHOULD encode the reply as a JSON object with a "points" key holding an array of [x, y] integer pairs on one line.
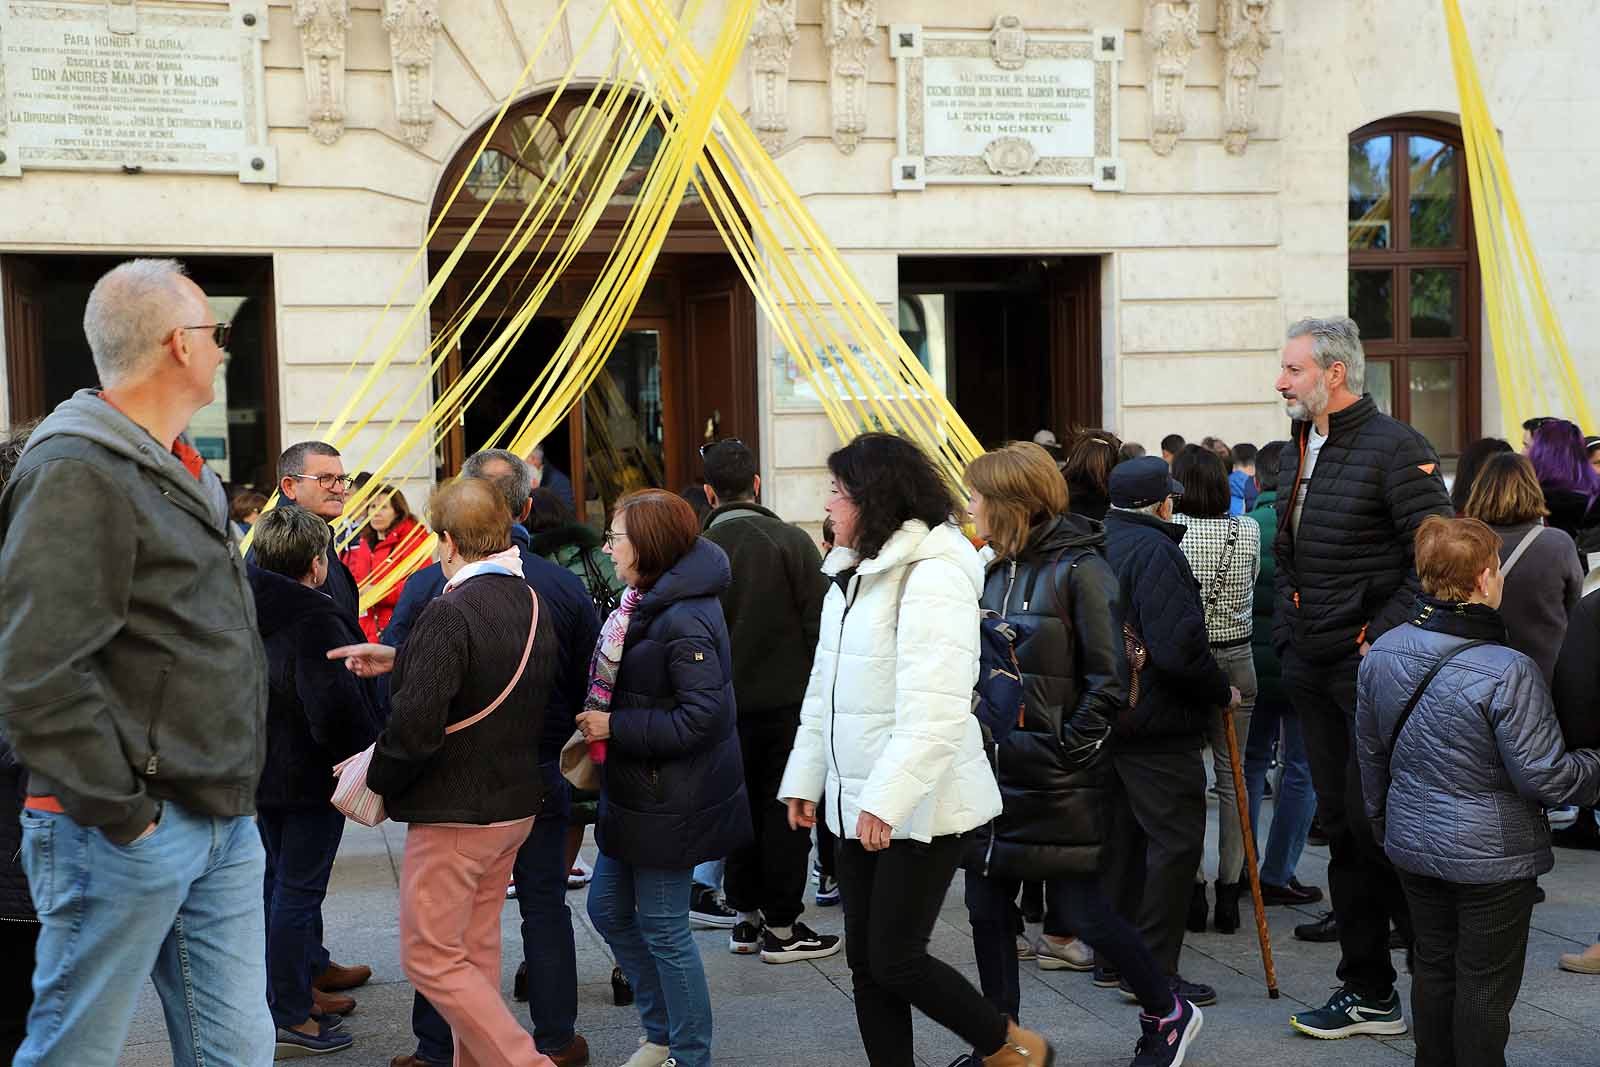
{"points": [[799, 1015]]}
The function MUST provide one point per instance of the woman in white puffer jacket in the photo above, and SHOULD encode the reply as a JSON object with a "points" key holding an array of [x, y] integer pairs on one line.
{"points": [[887, 733]]}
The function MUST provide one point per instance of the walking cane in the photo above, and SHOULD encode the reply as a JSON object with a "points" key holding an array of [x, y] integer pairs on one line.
{"points": [[1250, 854]]}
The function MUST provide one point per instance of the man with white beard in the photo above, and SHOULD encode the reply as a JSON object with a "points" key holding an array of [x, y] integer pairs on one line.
{"points": [[1351, 493]]}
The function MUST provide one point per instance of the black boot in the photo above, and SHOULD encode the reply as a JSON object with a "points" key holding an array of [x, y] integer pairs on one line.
{"points": [[1227, 916], [621, 989], [1197, 909]]}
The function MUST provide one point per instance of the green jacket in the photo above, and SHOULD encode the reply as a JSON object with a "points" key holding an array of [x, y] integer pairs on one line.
{"points": [[1269, 671], [577, 548]]}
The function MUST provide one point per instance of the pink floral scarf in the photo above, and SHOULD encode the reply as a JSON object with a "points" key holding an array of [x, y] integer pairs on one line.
{"points": [[608, 653]]}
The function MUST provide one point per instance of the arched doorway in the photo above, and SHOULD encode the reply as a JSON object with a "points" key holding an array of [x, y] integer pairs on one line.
{"points": [[1414, 280], [683, 371]]}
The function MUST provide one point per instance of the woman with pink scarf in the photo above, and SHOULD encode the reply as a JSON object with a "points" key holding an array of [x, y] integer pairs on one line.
{"points": [[660, 719]]}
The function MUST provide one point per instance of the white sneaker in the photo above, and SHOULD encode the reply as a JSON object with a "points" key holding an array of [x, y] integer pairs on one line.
{"points": [[1073, 956], [649, 1055]]}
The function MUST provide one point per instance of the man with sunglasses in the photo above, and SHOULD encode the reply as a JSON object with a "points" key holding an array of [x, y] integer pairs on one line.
{"points": [[133, 689]]}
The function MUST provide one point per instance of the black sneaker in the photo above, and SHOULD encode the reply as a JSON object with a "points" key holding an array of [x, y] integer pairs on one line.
{"points": [[1348, 1013], [292, 1043], [1106, 977], [1294, 894], [1164, 1044], [745, 939], [519, 984], [1324, 929], [706, 909], [1196, 993], [802, 944]]}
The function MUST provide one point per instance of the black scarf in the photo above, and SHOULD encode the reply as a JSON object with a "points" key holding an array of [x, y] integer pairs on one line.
{"points": [[1476, 622]]}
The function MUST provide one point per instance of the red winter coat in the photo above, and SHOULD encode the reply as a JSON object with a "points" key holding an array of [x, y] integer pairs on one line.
{"points": [[375, 561]]}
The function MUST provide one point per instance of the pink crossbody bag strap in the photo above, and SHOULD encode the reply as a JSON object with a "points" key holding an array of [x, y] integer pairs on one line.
{"points": [[533, 628]]}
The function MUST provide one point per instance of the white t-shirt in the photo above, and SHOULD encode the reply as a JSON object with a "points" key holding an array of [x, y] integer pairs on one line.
{"points": [[1314, 443]]}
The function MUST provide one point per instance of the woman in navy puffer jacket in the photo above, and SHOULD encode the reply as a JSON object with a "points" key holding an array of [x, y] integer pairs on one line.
{"points": [[1454, 791], [661, 700]]}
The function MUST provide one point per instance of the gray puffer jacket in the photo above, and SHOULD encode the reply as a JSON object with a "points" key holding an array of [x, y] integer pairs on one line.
{"points": [[1480, 755]]}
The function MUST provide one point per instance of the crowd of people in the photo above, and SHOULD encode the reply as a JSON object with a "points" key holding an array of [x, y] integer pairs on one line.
{"points": [[1017, 677]]}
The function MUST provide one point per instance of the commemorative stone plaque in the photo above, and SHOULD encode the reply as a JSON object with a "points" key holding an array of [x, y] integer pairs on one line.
{"points": [[134, 87], [1007, 107]]}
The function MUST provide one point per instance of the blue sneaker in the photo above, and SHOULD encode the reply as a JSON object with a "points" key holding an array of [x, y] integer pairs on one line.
{"points": [[1348, 1013], [1164, 1044], [293, 1044], [827, 891]]}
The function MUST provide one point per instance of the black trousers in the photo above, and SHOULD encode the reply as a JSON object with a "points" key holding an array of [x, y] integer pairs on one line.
{"points": [[1154, 841], [892, 899], [1366, 893], [1472, 942], [18, 941], [768, 874]]}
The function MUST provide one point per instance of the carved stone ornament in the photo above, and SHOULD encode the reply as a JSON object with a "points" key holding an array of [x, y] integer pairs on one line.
{"points": [[1011, 156], [850, 31], [413, 25], [1244, 29], [323, 25], [772, 38], [1008, 42], [122, 18], [1171, 33]]}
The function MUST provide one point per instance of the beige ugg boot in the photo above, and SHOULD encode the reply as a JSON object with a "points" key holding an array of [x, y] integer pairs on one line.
{"points": [[1023, 1048]]}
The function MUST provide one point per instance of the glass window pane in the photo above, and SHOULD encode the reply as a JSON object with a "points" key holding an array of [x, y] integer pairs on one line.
{"points": [[1372, 303], [624, 431], [1371, 197], [1380, 383], [488, 171], [1436, 303], [1435, 184], [1436, 402]]}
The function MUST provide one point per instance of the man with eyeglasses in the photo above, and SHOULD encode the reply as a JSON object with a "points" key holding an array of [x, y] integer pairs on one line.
{"points": [[311, 474], [133, 689]]}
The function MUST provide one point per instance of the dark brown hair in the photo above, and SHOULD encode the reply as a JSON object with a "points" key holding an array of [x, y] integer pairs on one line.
{"points": [[397, 501], [1451, 553], [662, 528], [1506, 492], [245, 501], [474, 513], [1090, 458]]}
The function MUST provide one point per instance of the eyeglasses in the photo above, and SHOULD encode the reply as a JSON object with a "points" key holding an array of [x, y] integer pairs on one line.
{"points": [[328, 481], [220, 331], [709, 445], [613, 536]]}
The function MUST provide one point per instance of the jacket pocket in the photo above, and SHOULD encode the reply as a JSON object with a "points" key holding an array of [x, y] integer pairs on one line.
{"points": [[158, 698]]}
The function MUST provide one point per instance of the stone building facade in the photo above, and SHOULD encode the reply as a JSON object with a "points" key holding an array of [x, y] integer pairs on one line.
{"points": [[1151, 299]]}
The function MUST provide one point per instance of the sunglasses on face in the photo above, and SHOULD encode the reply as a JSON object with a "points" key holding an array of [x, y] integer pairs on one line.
{"points": [[220, 331]]}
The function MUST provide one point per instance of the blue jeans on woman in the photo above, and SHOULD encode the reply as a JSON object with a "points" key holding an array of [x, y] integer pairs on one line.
{"points": [[1296, 800], [181, 906], [643, 913], [992, 908]]}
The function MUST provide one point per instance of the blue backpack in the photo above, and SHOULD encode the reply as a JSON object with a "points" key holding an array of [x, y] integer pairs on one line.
{"points": [[997, 698]]}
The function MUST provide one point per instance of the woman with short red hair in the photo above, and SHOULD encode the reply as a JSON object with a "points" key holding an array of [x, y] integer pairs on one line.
{"points": [[672, 795]]}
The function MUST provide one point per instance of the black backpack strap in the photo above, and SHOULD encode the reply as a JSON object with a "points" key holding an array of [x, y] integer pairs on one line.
{"points": [[1416, 695]]}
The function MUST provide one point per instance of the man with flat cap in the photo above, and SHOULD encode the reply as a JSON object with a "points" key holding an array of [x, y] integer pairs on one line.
{"points": [[1158, 795]]}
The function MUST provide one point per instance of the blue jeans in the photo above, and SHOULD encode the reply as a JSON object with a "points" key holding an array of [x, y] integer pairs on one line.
{"points": [[709, 874], [182, 906], [1295, 802], [300, 844], [643, 913], [541, 877]]}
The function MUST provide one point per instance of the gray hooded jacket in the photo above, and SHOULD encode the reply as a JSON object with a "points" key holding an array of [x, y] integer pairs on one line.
{"points": [[130, 666], [1480, 755]]}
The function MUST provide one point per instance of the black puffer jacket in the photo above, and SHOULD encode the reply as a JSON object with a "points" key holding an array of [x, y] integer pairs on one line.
{"points": [[1052, 781], [1181, 682], [1349, 575], [1576, 688], [16, 903], [673, 792]]}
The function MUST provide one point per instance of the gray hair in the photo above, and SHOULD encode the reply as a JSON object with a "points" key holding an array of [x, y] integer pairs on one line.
{"points": [[11, 449], [1336, 340], [293, 460], [516, 488], [288, 540], [132, 309], [1148, 509]]}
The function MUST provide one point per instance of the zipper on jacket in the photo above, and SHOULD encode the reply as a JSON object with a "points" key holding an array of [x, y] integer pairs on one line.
{"points": [[1011, 581], [988, 853], [153, 764], [833, 706]]}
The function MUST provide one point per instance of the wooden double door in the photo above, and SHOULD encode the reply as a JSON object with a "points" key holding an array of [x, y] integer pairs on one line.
{"points": [[682, 374]]}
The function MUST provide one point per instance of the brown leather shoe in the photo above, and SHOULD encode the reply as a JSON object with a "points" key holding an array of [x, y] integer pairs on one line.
{"points": [[576, 1054], [1023, 1048], [331, 1003], [338, 977]]}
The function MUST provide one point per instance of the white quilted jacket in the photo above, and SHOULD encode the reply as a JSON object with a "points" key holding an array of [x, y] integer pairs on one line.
{"points": [[887, 724]]}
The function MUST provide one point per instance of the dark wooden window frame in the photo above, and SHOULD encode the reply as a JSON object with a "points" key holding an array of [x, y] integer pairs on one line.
{"points": [[1401, 259]]}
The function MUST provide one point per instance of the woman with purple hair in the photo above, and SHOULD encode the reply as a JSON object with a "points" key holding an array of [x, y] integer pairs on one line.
{"points": [[1571, 486]]}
